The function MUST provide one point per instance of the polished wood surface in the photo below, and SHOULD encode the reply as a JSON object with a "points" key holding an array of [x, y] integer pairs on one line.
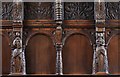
{"points": [[77, 55], [40, 55], [6, 55], [42, 38], [114, 54]]}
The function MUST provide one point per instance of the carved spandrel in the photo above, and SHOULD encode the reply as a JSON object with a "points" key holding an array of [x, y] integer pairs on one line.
{"points": [[38, 10], [79, 10]]}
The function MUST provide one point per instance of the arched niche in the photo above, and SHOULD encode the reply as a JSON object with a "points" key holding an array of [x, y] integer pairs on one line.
{"points": [[114, 55], [6, 55], [77, 55], [40, 55]]}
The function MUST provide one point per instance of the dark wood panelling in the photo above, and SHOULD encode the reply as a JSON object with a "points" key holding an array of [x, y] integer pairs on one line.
{"points": [[40, 55], [77, 55], [6, 55], [114, 55]]}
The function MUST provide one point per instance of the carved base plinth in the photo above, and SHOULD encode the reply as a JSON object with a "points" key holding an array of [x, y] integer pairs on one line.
{"points": [[101, 73], [17, 74], [59, 73]]}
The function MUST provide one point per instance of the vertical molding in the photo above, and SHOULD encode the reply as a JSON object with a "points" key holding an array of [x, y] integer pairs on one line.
{"points": [[58, 35], [100, 61], [18, 55], [0, 39]]}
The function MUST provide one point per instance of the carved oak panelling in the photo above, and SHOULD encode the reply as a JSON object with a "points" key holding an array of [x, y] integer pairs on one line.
{"points": [[112, 10], [38, 10], [7, 8], [79, 10]]}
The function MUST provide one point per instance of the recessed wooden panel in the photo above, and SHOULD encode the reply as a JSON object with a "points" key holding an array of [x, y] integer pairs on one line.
{"points": [[38, 10], [40, 55], [77, 55], [78, 10], [6, 55], [114, 55]]}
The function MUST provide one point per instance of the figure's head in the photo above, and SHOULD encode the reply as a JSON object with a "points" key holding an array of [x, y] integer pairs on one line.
{"points": [[17, 42], [17, 34]]}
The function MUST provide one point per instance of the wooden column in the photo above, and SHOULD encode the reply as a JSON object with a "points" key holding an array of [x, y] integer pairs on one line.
{"points": [[18, 57], [58, 36]]}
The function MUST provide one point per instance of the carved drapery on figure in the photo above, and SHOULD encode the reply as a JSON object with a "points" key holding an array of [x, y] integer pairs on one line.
{"points": [[58, 36], [100, 62], [18, 57]]}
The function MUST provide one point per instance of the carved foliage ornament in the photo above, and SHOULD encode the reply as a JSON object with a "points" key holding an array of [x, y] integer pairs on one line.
{"points": [[7, 10], [112, 10], [73, 10], [79, 10], [39, 10]]}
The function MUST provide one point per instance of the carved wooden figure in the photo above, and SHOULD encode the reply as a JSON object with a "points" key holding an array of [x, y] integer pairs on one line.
{"points": [[100, 61]]}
